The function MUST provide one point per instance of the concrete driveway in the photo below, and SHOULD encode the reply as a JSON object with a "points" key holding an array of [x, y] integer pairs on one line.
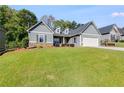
{"points": [[112, 48]]}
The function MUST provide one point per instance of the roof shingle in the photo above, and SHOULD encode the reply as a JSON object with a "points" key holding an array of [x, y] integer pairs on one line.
{"points": [[106, 29], [80, 29]]}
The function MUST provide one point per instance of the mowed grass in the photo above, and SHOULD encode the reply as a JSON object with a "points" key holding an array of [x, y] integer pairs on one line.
{"points": [[120, 44], [62, 67]]}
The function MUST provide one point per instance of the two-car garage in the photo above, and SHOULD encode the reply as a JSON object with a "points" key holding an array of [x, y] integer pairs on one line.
{"points": [[90, 42], [91, 36]]}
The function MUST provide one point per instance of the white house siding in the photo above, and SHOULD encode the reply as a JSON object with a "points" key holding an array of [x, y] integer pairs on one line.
{"points": [[112, 32], [116, 33], [122, 38], [106, 37]]}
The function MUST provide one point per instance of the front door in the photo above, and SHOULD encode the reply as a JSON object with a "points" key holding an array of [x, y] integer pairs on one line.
{"points": [[66, 40], [57, 41]]}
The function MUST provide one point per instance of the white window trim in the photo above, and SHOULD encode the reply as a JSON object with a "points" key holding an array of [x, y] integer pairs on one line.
{"points": [[57, 30], [49, 42], [42, 33], [39, 33], [91, 34], [43, 38], [75, 38]]}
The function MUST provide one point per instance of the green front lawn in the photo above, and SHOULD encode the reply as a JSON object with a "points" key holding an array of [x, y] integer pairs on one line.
{"points": [[62, 67], [120, 44]]}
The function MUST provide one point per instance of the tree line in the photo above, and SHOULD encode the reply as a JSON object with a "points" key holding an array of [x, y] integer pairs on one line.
{"points": [[16, 22]]}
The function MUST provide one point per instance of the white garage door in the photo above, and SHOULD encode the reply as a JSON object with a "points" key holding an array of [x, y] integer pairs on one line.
{"points": [[90, 42]]}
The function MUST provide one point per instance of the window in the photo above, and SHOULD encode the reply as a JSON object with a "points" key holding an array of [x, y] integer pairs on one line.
{"points": [[41, 38], [118, 37], [66, 31], [75, 40], [57, 30], [112, 37]]}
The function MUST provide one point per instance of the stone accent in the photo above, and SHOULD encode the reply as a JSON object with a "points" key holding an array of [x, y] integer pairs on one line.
{"points": [[40, 45]]}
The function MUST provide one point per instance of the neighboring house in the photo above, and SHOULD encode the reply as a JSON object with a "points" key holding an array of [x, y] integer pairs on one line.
{"points": [[122, 33], [84, 35], [110, 32], [2, 41]]}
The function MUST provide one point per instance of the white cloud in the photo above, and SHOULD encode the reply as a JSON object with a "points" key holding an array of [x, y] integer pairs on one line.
{"points": [[118, 14]]}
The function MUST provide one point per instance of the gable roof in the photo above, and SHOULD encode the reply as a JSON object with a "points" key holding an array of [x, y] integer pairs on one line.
{"points": [[121, 30], [37, 24], [82, 28], [73, 32], [107, 29]]}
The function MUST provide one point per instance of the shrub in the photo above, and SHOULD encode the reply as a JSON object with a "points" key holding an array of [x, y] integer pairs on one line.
{"points": [[39, 45], [121, 41], [12, 45], [25, 42]]}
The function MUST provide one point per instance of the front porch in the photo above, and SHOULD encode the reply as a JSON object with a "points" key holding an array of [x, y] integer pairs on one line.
{"points": [[61, 41]]}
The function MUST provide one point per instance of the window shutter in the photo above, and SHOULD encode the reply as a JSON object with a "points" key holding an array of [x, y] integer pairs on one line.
{"points": [[45, 38], [37, 38]]}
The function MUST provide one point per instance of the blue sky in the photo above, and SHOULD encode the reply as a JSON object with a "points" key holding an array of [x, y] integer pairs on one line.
{"points": [[101, 15]]}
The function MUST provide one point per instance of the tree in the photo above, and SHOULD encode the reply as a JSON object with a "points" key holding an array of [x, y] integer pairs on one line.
{"points": [[66, 24], [74, 25], [25, 42], [59, 23], [27, 18], [51, 22], [16, 23], [5, 15], [48, 20]]}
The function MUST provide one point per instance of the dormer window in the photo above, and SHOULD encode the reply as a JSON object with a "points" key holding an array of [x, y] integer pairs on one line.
{"points": [[58, 30], [66, 31]]}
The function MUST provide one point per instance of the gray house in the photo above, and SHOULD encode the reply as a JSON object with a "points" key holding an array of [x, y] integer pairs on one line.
{"points": [[84, 35], [2, 40], [121, 33], [110, 32]]}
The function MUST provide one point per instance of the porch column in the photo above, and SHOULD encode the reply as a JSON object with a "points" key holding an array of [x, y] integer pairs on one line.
{"points": [[80, 40], [63, 40]]}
